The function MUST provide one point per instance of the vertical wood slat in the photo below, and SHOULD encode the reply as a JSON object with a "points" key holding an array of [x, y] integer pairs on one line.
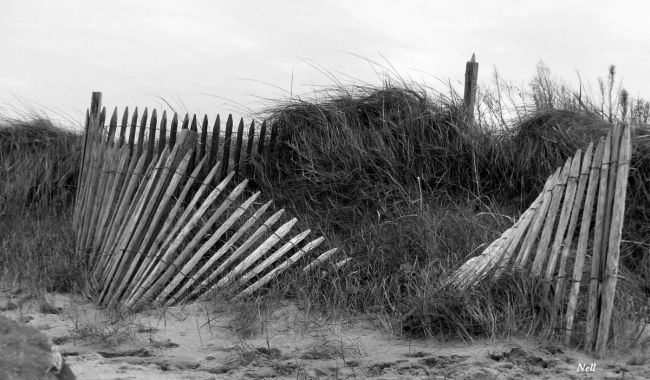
{"points": [[173, 131], [163, 133], [260, 143], [85, 153], [611, 185], [225, 159], [193, 128], [204, 138], [186, 122], [134, 127], [248, 159], [594, 284], [143, 127], [237, 158], [613, 249], [152, 135], [214, 146], [123, 127], [95, 173], [112, 127], [583, 239]]}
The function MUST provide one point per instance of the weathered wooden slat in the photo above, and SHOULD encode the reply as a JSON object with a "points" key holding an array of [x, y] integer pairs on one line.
{"points": [[151, 144], [179, 295], [193, 159], [156, 221], [186, 261], [165, 236], [134, 127], [112, 127], [225, 159], [549, 223], [538, 219], [123, 127], [82, 171], [214, 146], [238, 144], [280, 268], [176, 242], [624, 150], [273, 141], [260, 143], [162, 142], [143, 127], [595, 283], [214, 274], [560, 232], [583, 239], [204, 138], [248, 159], [173, 131]]}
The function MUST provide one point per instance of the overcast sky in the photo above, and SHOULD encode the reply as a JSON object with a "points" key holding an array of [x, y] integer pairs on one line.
{"points": [[223, 56]]}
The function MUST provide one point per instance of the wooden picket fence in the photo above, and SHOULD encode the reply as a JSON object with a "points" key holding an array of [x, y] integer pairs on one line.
{"points": [[593, 179], [149, 231]]}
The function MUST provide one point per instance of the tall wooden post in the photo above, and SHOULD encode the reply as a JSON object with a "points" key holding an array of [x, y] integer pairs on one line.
{"points": [[471, 79]]}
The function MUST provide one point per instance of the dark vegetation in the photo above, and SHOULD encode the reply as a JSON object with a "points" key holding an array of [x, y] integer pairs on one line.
{"points": [[394, 175]]}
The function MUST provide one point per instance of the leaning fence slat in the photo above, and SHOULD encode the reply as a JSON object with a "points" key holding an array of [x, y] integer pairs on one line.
{"points": [[177, 241], [187, 250], [136, 168], [583, 240], [561, 230], [82, 171], [560, 289], [264, 228], [178, 296], [538, 219], [188, 265], [610, 274], [154, 226], [318, 261], [542, 246], [269, 243], [273, 141], [132, 230], [151, 256], [279, 269], [594, 284], [274, 257]]}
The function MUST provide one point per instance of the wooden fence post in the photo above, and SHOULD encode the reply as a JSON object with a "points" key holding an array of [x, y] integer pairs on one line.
{"points": [[471, 79]]}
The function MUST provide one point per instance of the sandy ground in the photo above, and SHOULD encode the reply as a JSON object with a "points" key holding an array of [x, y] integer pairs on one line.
{"points": [[212, 341]]}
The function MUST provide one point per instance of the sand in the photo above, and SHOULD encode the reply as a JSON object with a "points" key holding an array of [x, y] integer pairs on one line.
{"points": [[216, 340]]}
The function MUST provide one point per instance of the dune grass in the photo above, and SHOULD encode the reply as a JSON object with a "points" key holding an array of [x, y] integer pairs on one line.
{"points": [[392, 174]]}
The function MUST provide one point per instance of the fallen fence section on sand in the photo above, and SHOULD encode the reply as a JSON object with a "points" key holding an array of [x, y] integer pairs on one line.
{"points": [[153, 226], [541, 242]]}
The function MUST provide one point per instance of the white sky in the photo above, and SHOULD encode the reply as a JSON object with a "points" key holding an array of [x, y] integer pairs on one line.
{"points": [[220, 56]]}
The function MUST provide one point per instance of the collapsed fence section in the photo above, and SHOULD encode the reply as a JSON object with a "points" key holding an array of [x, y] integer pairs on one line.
{"points": [[542, 242], [155, 229]]}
